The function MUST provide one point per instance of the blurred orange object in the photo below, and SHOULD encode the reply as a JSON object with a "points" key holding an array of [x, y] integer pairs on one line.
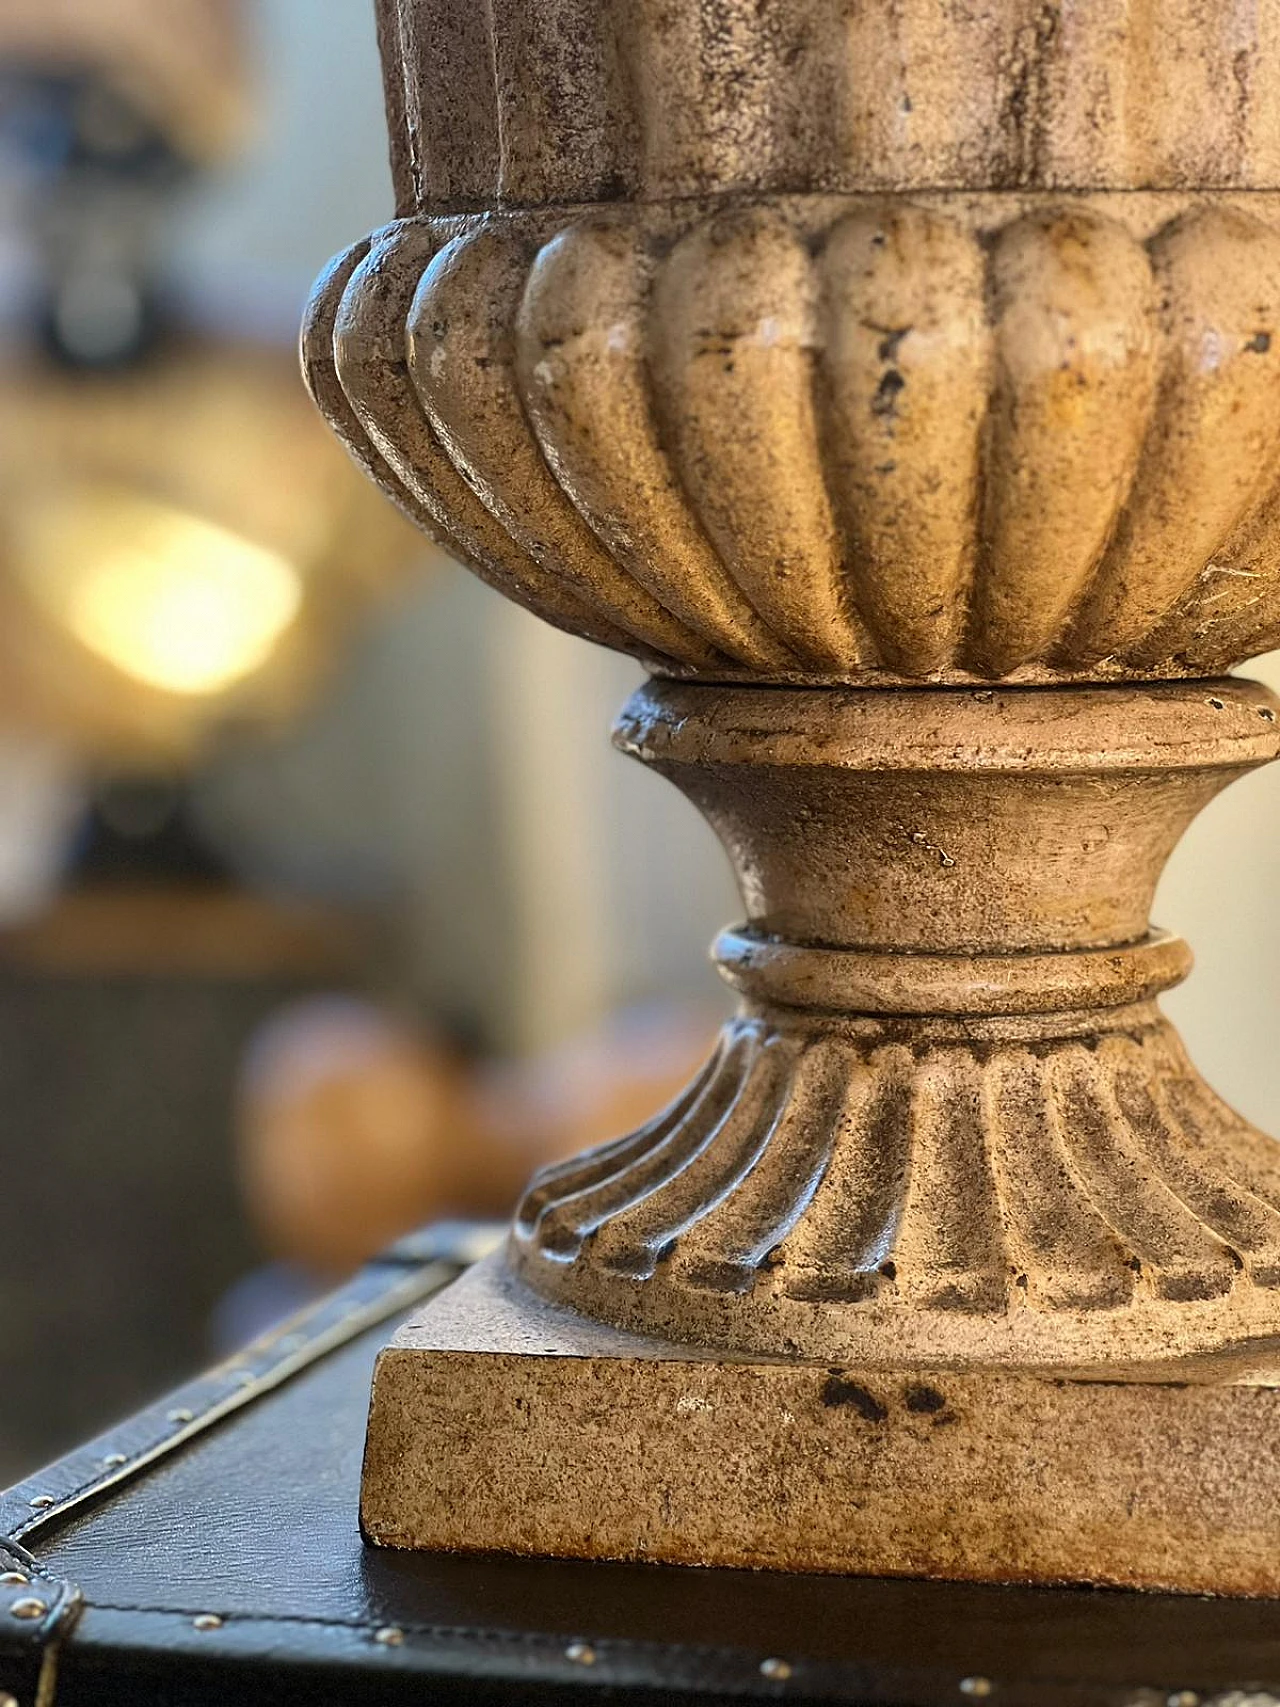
{"points": [[350, 1127], [355, 1128]]}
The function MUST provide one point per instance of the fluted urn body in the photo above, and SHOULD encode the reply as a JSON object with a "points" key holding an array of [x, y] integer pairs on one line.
{"points": [[901, 383]]}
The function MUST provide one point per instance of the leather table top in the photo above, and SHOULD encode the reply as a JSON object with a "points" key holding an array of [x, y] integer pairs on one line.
{"points": [[230, 1569]]}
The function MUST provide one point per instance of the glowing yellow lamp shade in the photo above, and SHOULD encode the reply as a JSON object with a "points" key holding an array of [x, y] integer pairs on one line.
{"points": [[183, 550], [172, 599]]}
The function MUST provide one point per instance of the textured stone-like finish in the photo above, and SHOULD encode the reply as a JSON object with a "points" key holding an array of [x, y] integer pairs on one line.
{"points": [[949, 1124], [528, 101], [904, 378], [859, 1194], [501, 1423], [819, 440]]}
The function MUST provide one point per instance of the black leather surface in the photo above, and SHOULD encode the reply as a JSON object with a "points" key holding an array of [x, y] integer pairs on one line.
{"points": [[382, 1292], [255, 1522]]}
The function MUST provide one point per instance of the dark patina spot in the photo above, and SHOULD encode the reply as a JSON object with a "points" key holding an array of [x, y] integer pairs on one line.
{"points": [[925, 1401], [838, 1392]]}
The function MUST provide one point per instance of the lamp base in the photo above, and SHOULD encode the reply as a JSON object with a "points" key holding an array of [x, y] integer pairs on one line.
{"points": [[502, 1423]]}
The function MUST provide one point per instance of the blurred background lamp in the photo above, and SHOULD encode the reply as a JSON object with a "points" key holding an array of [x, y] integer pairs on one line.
{"points": [[174, 600]]}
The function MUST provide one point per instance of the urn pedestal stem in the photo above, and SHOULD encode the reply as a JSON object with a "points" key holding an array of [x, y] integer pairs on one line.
{"points": [[949, 1124]]}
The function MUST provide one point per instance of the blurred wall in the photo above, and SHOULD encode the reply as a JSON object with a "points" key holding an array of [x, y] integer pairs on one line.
{"points": [[1222, 891], [316, 176], [460, 771], [461, 763]]}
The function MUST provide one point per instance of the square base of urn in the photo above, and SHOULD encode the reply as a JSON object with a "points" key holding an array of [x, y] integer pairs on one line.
{"points": [[500, 1423]]}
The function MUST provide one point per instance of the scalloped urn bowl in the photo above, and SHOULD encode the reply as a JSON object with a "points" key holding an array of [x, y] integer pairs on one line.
{"points": [[819, 439]]}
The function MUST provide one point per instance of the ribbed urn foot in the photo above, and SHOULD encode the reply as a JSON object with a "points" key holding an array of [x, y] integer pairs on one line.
{"points": [[949, 1124], [890, 1193]]}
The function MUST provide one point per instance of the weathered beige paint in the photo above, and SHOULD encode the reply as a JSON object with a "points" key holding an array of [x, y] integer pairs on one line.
{"points": [[951, 438], [595, 100], [500, 1422], [948, 1080]]}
